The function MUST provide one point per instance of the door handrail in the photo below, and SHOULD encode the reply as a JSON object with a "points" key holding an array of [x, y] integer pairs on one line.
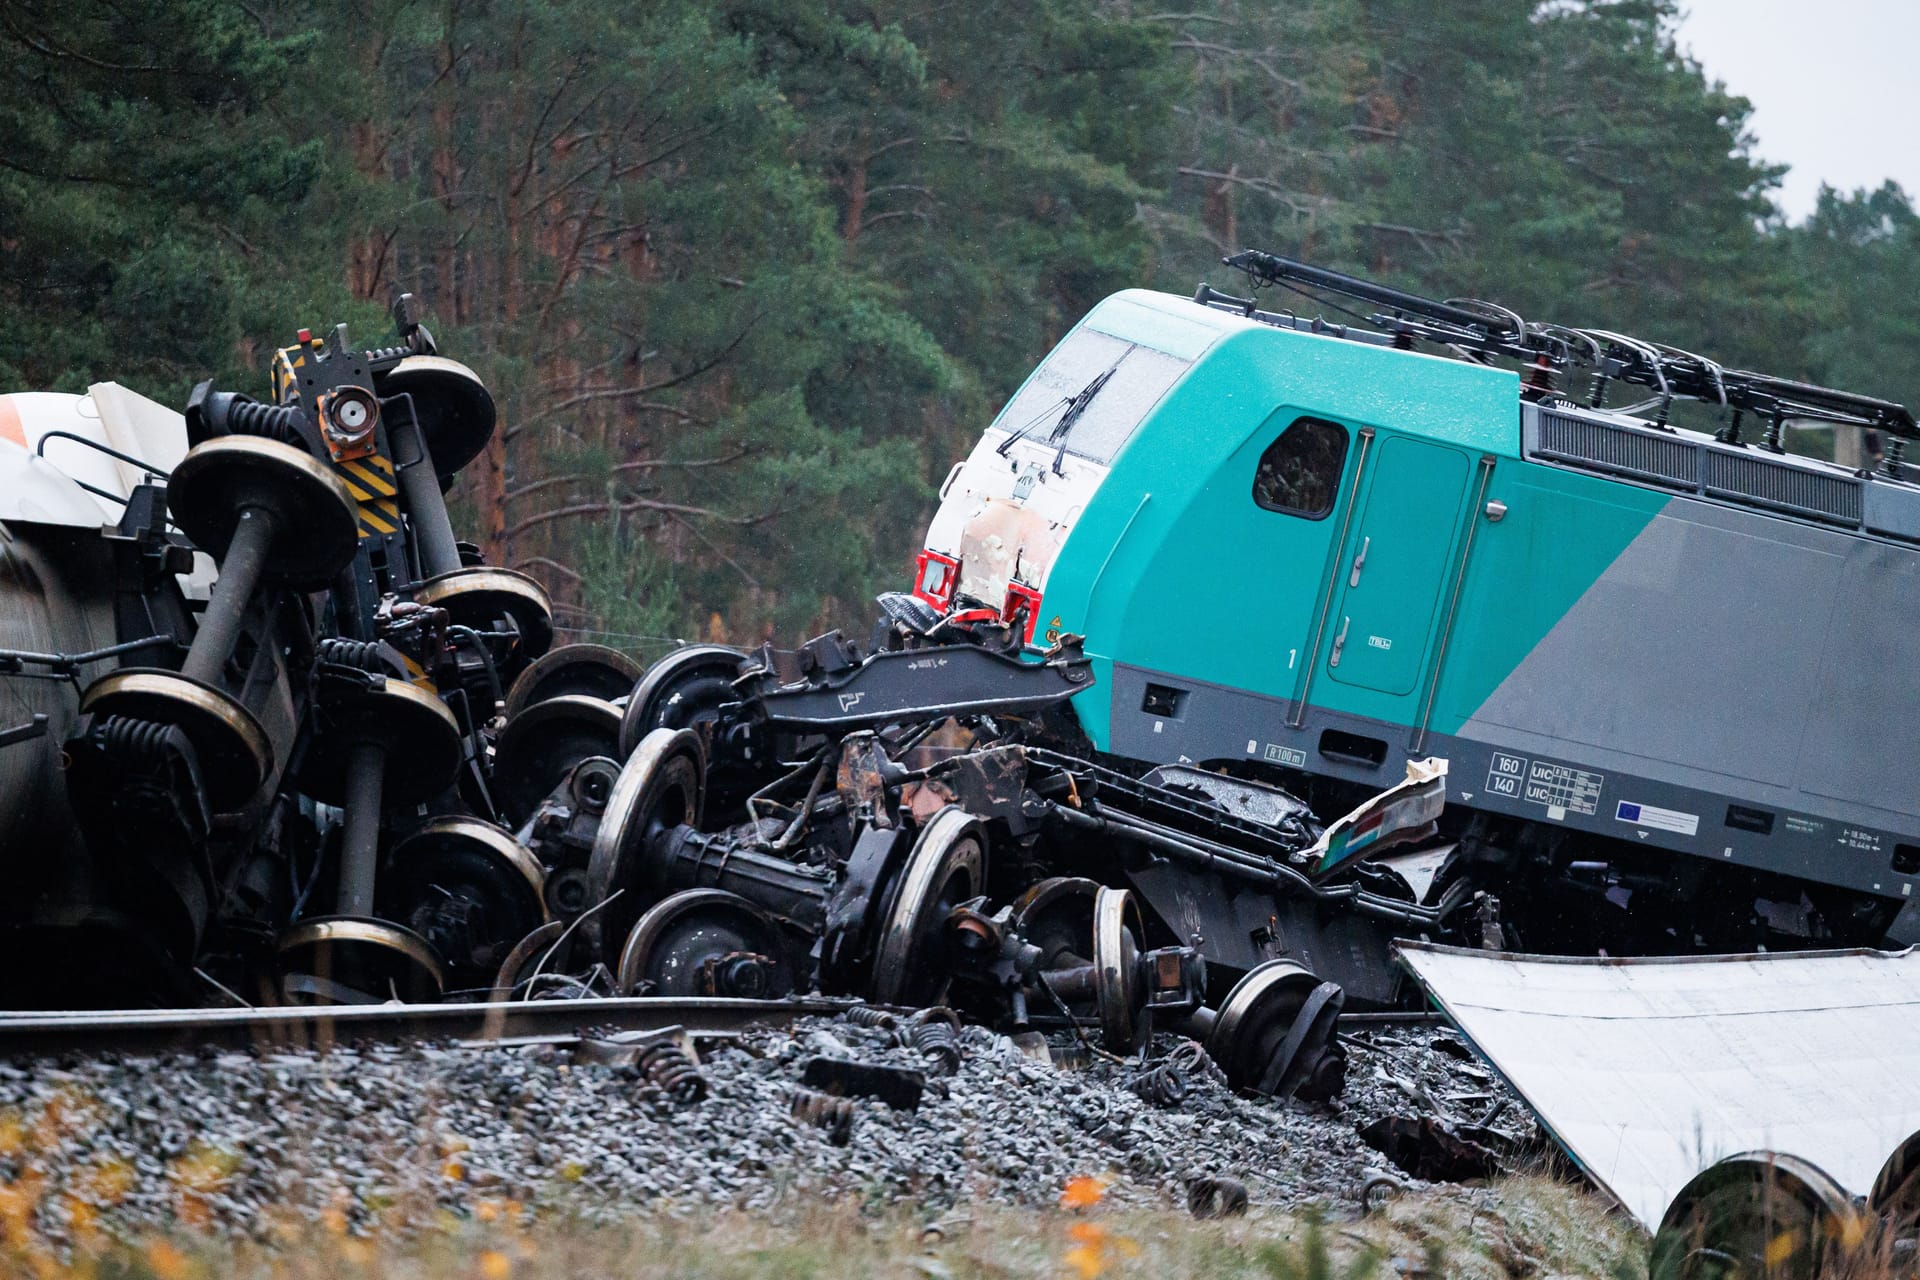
{"points": [[1474, 511], [1325, 607]]}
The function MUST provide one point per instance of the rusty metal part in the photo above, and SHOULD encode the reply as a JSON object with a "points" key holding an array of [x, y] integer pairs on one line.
{"points": [[865, 1015], [823, 1111], [348, 960], [482, 596], [1120, 997], [234, 753], [669, 1063], [947, 866], [705, 942], [592, 670], [543, 743], [315, 524], [936, 1034], [1164, 1084], [1759, 1213], [662, 786], [1273, 1033]]}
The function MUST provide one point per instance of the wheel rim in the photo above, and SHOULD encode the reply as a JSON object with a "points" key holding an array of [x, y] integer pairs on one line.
{"points": [[465, 858], [1126, 1022], [1056, 915], [679, 691], [1273, 1028], [1755, 1214], [541, 745], [672, 945], [661, 786], [374, 958], [235, 754], [946, 866], [591, 670]]}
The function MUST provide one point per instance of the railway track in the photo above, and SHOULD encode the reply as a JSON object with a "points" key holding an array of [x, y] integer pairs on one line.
{"points": [[40, 1033]]}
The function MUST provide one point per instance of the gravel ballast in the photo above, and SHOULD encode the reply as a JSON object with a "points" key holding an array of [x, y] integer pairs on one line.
{"points": [[237, 1142]]}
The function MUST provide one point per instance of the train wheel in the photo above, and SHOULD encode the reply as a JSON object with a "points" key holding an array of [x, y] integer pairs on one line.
{"points": [[705, 942], [591, 670], [947, 866], [662, 786], [1274, 1033], [1757, 1214], [539, 746]]}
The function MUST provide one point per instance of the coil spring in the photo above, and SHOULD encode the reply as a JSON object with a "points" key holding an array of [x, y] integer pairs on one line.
{"points": [[673, 1069], [1216, 1197], [824, 1111], [1896, 452], [126, 736], [1191, 1057], [361, 655], [272, 421], [936, 1033], [863, 1015], [1164, 1086]]}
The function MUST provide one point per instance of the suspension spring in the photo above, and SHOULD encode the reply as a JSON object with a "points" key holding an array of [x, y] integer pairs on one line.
{"points": [[673, 1070], [361, 655], [1165, 1085], [936, 1033], [824, 1111], [1896, 452], [865, 1015], [131, 736], [272, 421]]}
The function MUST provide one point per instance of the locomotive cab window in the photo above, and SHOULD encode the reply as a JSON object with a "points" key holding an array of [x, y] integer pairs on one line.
{"points": [[1300, 471]]}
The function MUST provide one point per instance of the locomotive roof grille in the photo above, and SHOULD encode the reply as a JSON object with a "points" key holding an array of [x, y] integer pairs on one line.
{"points": [[1482, 331]]}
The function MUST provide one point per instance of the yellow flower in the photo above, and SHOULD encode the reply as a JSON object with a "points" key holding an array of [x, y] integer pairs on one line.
{"points": [[495, 1265], [1082, 1192], [165, 1261]]}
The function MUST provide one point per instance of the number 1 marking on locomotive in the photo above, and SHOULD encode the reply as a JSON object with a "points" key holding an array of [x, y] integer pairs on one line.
{"points": [[1292, 655]]}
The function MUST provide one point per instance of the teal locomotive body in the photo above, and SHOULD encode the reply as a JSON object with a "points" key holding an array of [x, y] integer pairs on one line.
{"points": [[1665, 666]]}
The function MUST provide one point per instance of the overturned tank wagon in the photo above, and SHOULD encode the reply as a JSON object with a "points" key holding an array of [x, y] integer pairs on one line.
{"points": [[1306, 553]]}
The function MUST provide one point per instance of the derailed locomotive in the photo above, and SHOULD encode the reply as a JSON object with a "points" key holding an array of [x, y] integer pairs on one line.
{"points": [[1659, 660]]}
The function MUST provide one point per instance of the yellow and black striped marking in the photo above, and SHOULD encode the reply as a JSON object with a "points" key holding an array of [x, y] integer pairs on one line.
{"points": [[370, 481]]}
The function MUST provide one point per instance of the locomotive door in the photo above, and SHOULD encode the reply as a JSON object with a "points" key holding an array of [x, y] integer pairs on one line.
{"points": [[1395, 566]]}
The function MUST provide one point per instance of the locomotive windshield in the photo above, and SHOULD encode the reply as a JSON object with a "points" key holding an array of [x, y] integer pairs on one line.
{"points": [[1098, 387]]}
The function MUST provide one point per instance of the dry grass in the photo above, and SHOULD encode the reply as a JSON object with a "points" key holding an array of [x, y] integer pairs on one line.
{"points": [[1512, 1229]]}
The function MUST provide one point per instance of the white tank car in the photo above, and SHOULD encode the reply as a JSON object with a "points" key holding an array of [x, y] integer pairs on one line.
{"points": [[58, 489]]}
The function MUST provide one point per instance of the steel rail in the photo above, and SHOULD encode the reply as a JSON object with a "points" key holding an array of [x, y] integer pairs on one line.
{"points": [[31, 1033]]}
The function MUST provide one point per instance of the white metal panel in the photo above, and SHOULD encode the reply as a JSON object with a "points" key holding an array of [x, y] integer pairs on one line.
{"points": [[1648, 1071]]}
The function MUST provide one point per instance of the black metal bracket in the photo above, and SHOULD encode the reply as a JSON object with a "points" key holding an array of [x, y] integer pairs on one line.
{"points": [[914, 684]]}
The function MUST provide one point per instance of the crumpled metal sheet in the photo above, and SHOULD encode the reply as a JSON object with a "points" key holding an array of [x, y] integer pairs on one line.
{"points": [[1647, 1071]]}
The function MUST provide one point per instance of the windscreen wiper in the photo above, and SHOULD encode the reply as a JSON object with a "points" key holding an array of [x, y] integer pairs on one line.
{"points": [[1075, 406]]}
